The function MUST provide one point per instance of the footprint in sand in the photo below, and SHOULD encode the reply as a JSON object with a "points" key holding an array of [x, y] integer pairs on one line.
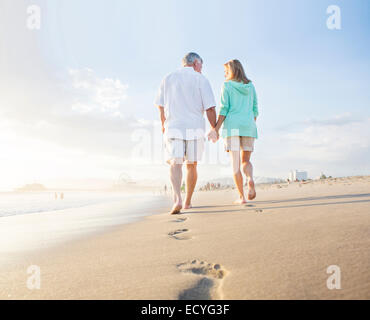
{"points": [[209, 286], [178, 234], [258, 210], [179, 220]]}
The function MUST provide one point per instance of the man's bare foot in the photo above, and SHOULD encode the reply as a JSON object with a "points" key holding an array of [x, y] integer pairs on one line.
{"points": [[176, 209], [188, 206], [251, 190], [240, 201]]}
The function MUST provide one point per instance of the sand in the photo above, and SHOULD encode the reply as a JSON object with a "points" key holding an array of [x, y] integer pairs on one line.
{"points": [[276, 247]]}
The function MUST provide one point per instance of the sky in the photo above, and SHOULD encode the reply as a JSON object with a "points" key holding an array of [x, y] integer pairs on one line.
{"points": [[76, 95]]}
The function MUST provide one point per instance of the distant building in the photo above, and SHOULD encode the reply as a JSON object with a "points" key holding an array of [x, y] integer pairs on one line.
{"points": [[296, 175]]}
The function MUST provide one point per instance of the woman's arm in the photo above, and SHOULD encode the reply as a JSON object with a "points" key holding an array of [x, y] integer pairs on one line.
{"points": [[219, 123], [224, 110], [255, 104]]}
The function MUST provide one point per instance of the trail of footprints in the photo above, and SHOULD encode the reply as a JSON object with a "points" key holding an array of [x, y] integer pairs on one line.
{"points": [[211, 276], [178, 234]]}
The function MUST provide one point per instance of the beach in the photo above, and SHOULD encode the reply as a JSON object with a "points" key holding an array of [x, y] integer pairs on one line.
{"points": [[278, 246]]}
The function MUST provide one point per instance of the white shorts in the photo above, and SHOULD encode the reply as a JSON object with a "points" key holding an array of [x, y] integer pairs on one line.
{"points": [[237, 143], [184, 150]]}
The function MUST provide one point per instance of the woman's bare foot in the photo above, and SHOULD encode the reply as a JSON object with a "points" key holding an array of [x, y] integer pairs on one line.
{"points": [[240, 201], [176, 209], [188, 206], [251, 190]]}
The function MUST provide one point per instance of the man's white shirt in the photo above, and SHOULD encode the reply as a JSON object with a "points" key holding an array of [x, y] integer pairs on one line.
{"points": [[185, 94]]}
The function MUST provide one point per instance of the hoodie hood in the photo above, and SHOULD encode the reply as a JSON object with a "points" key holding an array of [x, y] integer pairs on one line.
{"points": [[241, 87]]}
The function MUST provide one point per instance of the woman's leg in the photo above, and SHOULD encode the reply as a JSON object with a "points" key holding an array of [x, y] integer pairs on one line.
{"points": [[248, 171], [238, 178]]}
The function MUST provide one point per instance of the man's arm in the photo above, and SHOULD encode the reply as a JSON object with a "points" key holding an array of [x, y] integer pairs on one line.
{"points": [[162, 116], [159, 102], [208, 99], [211, 115]]}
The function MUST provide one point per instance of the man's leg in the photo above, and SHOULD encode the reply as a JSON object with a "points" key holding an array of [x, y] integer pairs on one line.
{"points": [[191, 181], [238, 178], [176, 178], [175, 156], [248, 171]]}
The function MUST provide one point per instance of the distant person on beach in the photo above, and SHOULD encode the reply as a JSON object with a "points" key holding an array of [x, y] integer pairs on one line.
{"points": [[238, 114], [183, 97]]}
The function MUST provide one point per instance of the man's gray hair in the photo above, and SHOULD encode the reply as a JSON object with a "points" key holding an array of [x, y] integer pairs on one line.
{"points": [[189, 59]]}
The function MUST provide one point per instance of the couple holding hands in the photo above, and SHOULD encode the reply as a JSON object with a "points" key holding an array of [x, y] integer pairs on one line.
{"points": [[182, 99]]}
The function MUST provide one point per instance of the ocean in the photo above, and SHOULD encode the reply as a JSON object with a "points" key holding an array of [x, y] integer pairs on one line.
{"points": [[33, 221], [16, 203]]}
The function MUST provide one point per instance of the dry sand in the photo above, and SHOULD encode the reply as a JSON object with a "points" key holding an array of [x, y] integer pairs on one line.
{"points": [[277, 247]]}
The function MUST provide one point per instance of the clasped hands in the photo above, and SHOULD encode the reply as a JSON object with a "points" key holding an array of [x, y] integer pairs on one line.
{"points": [[213, 135]]}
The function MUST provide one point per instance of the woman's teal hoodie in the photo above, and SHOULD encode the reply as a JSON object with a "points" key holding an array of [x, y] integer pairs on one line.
{"points": [[239, 106]]}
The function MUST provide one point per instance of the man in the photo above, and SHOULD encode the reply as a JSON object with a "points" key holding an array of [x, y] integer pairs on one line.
{"points": [[182, 98]]}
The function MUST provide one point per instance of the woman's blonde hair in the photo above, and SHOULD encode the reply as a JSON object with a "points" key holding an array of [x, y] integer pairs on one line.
{"points": [[237, 71]]}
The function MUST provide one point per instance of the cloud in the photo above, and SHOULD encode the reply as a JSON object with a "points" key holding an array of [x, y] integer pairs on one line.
{"points": [[81, 127], [337, 120], [87, 116], [331, 141], [105, 95], [339, 145]]}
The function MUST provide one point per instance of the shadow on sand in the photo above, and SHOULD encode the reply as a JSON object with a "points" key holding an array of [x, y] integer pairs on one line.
{"points": [[343, 196], [259, 208]]}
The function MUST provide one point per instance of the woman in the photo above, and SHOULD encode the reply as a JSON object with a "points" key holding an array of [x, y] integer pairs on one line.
{"points": [[238, 114]]}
